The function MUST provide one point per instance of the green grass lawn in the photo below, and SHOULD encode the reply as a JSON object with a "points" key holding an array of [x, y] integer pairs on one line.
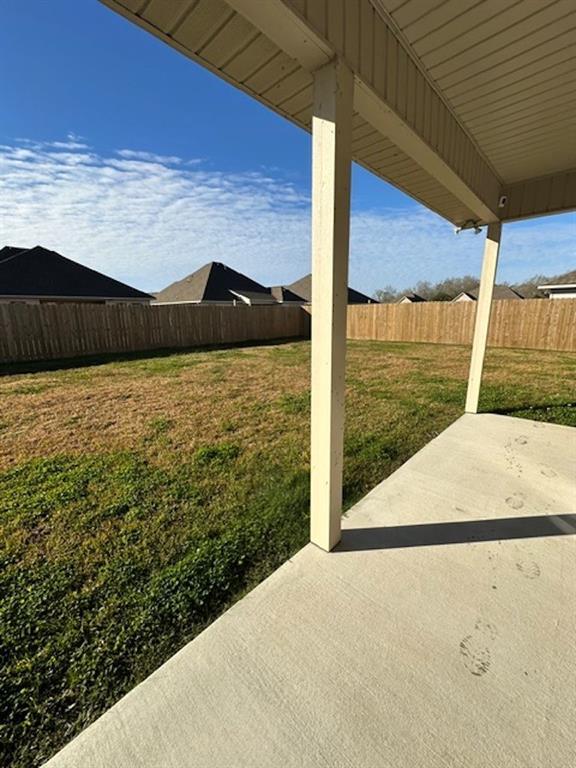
{"points": [[139, 498]]}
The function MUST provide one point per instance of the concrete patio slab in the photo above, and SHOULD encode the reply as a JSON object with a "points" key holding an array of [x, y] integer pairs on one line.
{"points": [[441, 632]]}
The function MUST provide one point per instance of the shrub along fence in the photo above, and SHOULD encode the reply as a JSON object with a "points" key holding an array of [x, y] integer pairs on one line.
{"points": [[527, 324], [52, 331]]}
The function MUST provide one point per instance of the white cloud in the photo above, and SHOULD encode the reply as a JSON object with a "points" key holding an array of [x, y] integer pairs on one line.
{"points": [[151, 157], [150, 219]]}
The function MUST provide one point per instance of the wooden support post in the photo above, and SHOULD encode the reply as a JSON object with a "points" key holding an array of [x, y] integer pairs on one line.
{"points": [[331, 162], [483, 310]]}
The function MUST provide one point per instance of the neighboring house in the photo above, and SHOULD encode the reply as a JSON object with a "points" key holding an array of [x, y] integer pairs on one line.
{"points": [[559, 290], [39, 276], [303, 288], [284, 295], [215, 283], [500, 292], [410, 298]]}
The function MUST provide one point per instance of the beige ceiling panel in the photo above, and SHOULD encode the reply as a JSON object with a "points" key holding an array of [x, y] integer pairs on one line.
{"points": [[288, 87], [166, 14], [248, 61], [508, 72], [509, 60], [520, 79], [272, 72], [233, 37], [540, 121], [452, 21], [302, 100], [498, 38], [535, 99], [422, 17], [202, 23]]}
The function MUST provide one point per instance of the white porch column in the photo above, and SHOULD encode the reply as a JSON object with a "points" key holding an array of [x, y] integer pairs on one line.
{"points": [[331, 160], [483, 309]]}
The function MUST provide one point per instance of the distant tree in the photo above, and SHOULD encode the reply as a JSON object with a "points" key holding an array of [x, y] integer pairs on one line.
{"points": [[529, 288], [447, 289], [387, 295]]}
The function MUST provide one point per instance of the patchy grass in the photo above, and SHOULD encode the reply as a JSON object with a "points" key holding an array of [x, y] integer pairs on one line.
{"points": [[139, 498]]}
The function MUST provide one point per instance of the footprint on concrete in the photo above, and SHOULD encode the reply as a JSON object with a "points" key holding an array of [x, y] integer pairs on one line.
{"points": [[516, 501], [547, 471], [475, 648], [528, 568], [512, 463], [486, 629]]}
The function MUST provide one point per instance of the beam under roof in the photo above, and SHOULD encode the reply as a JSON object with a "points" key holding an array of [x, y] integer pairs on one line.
{"points": [[374, 100]]}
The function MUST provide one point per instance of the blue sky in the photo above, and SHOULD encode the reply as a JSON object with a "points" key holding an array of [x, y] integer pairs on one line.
{"points": [[124, 155]]}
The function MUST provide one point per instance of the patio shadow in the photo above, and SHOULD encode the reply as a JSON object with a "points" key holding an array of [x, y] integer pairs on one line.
{"points": [[86, 361], [464, 532]]}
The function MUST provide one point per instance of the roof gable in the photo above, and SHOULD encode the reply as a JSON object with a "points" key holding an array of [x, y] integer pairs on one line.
{"points": [[9, 251], [214, 282], [40, 272]]}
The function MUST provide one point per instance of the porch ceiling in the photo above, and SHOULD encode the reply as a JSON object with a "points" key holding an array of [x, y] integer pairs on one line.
{"points": [[459, 101], [508, 72]]}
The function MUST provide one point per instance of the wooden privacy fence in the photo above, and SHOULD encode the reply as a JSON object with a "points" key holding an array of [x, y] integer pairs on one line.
{"points": [[51, 331], [527, 324]]}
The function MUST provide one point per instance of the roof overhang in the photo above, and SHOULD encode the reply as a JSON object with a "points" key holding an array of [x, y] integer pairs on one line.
{"points": [[558, 287], [407, 129]]}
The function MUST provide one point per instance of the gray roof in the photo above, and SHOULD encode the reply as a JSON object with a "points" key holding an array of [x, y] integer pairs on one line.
{"points": [[213, 283], [285, 295], [303, 288], [415, 298], [38, 272], [500, 292]]}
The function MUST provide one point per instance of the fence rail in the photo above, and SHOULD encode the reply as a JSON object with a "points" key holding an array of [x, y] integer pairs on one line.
{"points": [[52, 331], [528, 324]]}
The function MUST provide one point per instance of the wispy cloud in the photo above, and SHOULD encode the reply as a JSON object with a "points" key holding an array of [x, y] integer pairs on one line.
{"points": [[150, 219], [151, 157]]}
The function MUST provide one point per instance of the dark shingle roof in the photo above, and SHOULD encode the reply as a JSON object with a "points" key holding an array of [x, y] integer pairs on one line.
{"points": [[213, 282], [283, 294], [8, 251], [39, 272], [415, 298], [303, 287]]}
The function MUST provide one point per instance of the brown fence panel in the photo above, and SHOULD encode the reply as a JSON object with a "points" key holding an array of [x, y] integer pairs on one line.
{"points": [[528, 324], [52, 331]]}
